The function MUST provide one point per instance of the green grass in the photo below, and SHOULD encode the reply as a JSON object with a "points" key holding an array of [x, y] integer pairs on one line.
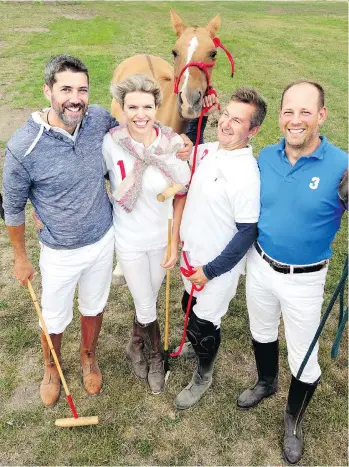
{"points": [[273, 43]]}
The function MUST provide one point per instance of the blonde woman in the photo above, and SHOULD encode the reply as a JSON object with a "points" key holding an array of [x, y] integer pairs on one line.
{"points": [[140, 157]]}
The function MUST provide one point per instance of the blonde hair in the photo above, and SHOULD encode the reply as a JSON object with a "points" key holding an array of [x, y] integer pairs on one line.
{"points": [[136, 83]]}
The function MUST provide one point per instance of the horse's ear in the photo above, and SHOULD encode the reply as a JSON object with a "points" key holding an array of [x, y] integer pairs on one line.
{"points": [[214, 25], [177, 23]]}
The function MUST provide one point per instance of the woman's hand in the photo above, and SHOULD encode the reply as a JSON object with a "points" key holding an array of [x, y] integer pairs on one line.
{"points": [[170, 263], [184, 153]]}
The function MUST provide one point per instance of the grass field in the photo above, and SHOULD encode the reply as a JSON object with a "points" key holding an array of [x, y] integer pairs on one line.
{"points": [[273, 43]]}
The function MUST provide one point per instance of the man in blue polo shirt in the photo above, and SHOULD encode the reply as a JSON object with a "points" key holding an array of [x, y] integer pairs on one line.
{"points": [[286, 271]]}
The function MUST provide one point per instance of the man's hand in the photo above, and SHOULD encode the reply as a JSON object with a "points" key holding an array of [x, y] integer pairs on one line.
{"points": [[184, 153], [211, 100], [199, 277], [23, 270]]}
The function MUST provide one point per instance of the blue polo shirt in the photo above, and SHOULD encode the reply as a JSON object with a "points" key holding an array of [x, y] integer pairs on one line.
{"points": [[300, 208]]}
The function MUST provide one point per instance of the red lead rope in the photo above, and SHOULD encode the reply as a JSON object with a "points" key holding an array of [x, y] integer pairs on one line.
{"points": [[189, 270]]}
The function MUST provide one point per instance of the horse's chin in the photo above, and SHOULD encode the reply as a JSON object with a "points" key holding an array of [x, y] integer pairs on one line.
{"points": [[189, 112]]}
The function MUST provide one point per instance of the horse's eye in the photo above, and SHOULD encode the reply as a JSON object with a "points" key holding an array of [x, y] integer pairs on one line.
{"points": [[174, 53], [213, 54]]}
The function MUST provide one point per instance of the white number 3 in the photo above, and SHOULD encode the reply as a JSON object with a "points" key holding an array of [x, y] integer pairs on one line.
{"points": [[314, 183]]}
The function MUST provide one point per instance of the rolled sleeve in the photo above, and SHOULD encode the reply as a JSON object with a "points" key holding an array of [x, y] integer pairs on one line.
{"points": [[16, 185]]}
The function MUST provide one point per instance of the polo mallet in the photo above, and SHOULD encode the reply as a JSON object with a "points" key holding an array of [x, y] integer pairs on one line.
{"points": [[61, 422], [165, 195]]}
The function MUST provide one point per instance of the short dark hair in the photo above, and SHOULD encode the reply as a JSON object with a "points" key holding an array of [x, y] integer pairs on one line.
{"points": [[61, 63], [251, 96], [312, 83]]}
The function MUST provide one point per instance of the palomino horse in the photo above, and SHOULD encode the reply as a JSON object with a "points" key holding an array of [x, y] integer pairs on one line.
{"points": [[194, 44]]}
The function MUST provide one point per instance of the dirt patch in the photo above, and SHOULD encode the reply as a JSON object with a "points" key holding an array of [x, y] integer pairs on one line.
{"points": [[27, 392], [3, 44], [30, 29], [11, 119], [78, 17]]}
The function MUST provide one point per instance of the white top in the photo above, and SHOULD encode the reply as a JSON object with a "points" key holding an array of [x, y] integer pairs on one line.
{"points": [[145, 227], [225, 189]]}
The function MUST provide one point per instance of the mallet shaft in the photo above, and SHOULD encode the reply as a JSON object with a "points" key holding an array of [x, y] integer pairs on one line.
{"points": [[168, 280], [49, 341]]}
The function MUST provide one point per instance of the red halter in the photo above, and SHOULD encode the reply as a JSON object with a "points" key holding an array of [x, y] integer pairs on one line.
{"points": [[209, 89], [203, 66]]}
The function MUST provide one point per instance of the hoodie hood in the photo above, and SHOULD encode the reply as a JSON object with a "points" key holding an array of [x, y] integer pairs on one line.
{"points": [[39, 118]]}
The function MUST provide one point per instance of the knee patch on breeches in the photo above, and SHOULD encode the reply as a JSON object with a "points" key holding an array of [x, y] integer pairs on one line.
{"points": [[204, 336]]}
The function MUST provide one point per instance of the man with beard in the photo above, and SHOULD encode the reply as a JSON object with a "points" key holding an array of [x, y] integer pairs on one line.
{"points": [[302, 202], [55, 160]]}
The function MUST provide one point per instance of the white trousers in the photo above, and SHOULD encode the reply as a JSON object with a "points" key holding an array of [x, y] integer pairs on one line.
{"points": [[144, 276], [61, 270], [298, 297], [213, 301]]}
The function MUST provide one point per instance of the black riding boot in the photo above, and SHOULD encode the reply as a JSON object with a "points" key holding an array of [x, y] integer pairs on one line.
{"points": [[205, 338], [267, 361], [299, 397]]}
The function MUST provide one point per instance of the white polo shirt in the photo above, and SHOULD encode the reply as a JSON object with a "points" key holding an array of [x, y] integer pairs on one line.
{"points": [[145, 227], [225, 189]]}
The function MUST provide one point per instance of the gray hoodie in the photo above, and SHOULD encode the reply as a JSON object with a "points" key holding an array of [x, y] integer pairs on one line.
{"points": [[63, 177]]}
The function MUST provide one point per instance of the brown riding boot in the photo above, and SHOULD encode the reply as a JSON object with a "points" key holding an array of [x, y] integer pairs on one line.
{"points": [[91, 374], [50, 386], [152, 340], [134, 351]]}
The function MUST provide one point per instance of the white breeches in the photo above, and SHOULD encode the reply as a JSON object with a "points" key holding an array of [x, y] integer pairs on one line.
{"points": [[144, 276], [298, 297], [213, 301], [90, 267]]}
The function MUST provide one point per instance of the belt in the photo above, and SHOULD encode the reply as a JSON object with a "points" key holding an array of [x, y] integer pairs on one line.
{"points": [[286, 268]]}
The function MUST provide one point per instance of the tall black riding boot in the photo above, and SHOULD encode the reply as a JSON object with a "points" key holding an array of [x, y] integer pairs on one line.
{"points": [[205, 338], [299, 397], [267, 361], [187, 350]]}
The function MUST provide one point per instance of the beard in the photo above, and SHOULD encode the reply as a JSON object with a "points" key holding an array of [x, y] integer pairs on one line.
{"points": [[70, 120]]}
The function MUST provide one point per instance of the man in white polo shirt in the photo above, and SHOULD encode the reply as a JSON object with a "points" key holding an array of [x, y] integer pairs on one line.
{"points": [[219, 224]]}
